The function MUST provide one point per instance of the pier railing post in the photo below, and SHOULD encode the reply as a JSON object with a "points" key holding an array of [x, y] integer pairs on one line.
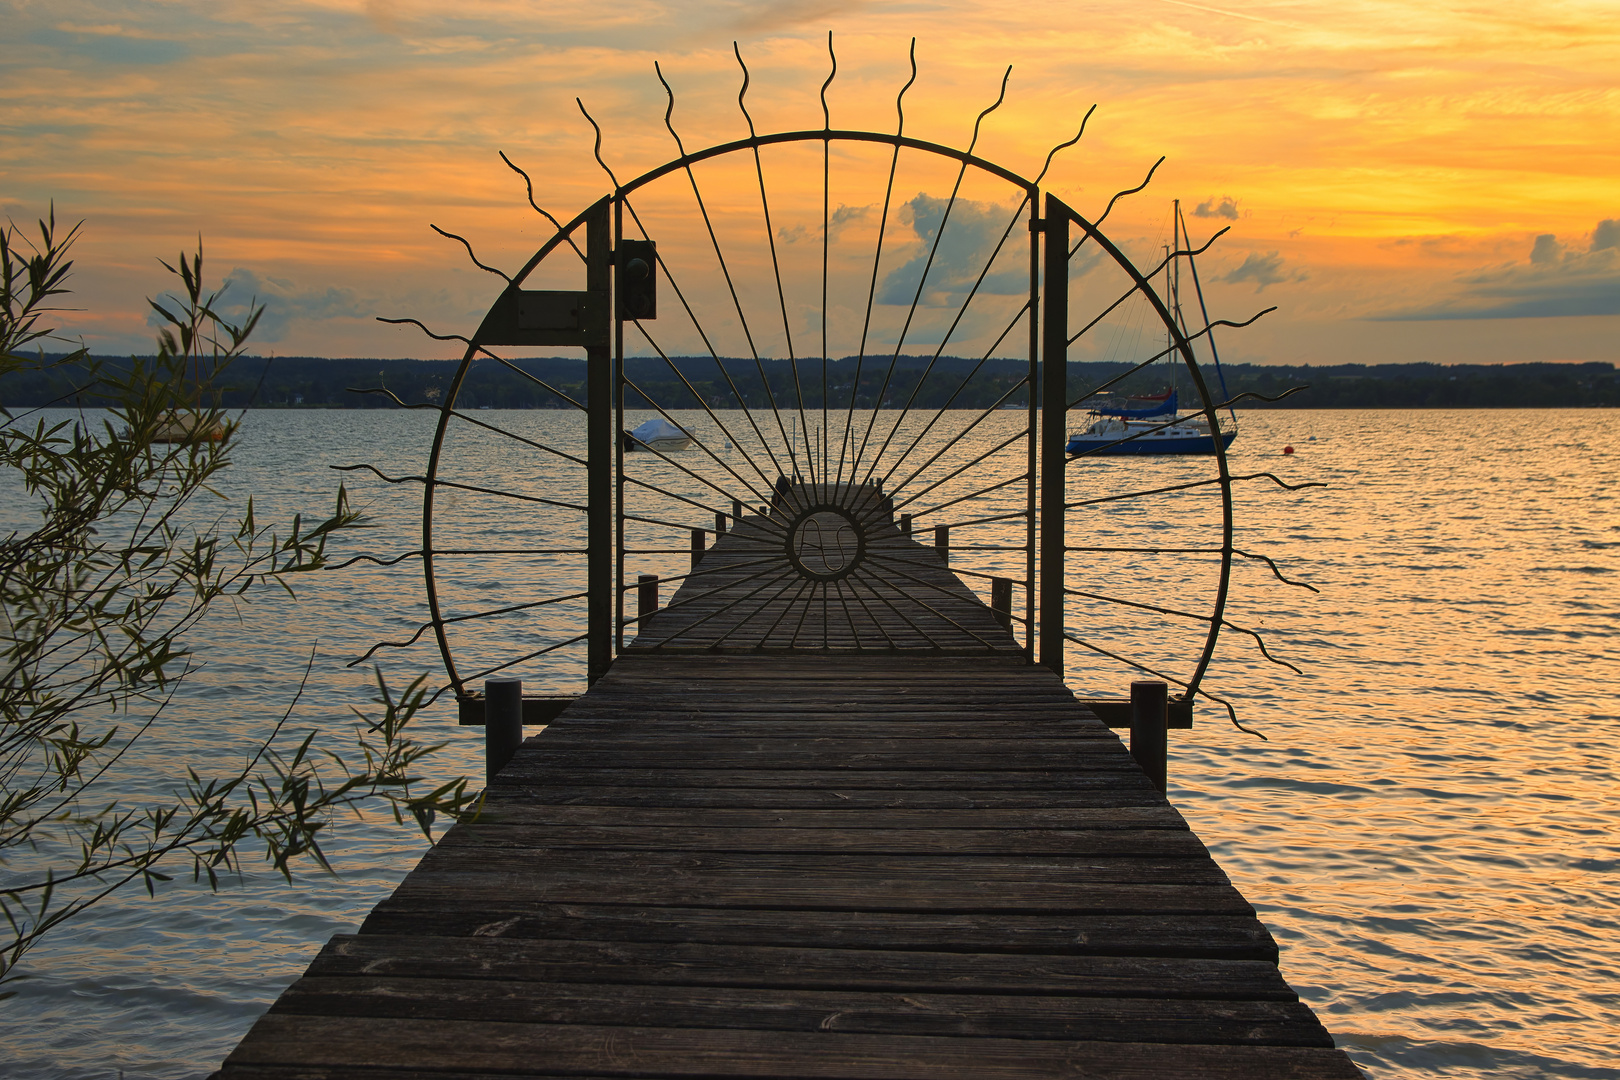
{"points": [[646, 598], [1150, 710], [699, 539], [736, 510], [905, 524], [720, 524], [942, 543], [503, 723], [1001, 600]]}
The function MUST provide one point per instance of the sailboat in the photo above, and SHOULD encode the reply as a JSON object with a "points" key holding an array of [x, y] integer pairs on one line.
{"points": [[1153, 424]]}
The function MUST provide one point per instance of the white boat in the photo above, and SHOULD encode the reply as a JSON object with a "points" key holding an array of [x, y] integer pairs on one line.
{"points": [[1154, 424], [657, 434], [1116, 431]]}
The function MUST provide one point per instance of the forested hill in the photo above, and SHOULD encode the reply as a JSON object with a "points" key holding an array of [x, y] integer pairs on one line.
{"points": [[293, 382]]}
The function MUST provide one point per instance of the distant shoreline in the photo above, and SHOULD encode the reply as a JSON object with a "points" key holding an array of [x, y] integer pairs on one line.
{"points": [[538, 383]]}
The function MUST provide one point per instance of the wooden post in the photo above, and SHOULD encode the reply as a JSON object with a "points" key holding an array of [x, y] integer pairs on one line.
{"points": [[1149, 745], [719, 525], [646, 598], [736, 510], [699, 537], [503, 723], [1001, 600], [905, 524], [942, 543]]}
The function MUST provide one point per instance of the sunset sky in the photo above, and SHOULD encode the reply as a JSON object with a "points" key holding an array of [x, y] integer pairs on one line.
{"points": [[1407, 182]]}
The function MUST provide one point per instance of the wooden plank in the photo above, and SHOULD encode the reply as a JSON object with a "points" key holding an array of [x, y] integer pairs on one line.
{"points": [[1025, 1016], [687, 964], [857, 839], [470, 1046], [1110, 772], [1100, 790], [1206, 937], [524, 812]]}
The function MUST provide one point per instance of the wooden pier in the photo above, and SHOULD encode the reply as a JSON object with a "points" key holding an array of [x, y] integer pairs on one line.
{"points": [[885, 858]]}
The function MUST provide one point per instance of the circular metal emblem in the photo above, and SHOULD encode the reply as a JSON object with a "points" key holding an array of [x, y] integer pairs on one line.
{"points": [[825, 542]]}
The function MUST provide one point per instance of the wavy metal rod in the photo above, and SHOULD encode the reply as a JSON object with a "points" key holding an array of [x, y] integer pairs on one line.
{"points": [[459, 487], [725, 271], [776, 266], [1192, 484], [877, 261], [1134, 289], [1110, 209], [452, 236], [922, 280], [1177, 613], [425, 627], [1201, 692], [537, 208]]}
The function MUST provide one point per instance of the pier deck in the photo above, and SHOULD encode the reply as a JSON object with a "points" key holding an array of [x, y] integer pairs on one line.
{"points": [[830, 864]]}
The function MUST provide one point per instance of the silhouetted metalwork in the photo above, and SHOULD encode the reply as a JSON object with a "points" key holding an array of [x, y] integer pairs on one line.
{"points": [[813, 498]]}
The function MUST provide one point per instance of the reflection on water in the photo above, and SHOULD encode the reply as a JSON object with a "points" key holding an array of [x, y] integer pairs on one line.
{"points": [[1428, 830]]}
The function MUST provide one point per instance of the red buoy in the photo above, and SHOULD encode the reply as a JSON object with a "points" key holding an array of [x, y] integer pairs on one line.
{"points": [[1288, 449]]}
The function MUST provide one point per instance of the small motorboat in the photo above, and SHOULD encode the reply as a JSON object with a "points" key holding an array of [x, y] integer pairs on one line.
{"points": [[657, 434]]}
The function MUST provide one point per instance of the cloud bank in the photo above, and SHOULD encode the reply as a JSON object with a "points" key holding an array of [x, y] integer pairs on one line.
{"points": [[1556, 282]]}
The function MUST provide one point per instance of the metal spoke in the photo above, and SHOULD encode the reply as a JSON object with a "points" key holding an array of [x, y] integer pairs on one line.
{"points": [[776, 266], [877, 261], [475, 676], [922, 280], [948, 477], [949, 333], [959, 436]]}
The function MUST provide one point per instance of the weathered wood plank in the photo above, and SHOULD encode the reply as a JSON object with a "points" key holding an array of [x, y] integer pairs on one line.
{"points": [[1205, 937], [854, 839], [687, 964], [1025, 1016], [472, 1046], [507, 811]]}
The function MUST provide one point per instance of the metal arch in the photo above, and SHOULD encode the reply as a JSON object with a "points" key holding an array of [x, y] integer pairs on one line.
{"points": [[618, 201]]}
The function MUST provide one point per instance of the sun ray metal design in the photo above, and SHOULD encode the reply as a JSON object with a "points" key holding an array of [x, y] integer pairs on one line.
{"points": [[840, 373]]}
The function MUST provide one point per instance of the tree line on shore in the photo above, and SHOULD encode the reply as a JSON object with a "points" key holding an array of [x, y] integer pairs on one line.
{"points": [[550, 382]]}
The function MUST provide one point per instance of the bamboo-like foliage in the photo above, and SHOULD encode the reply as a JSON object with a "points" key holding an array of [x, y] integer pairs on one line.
{"points": [[97, 601]]}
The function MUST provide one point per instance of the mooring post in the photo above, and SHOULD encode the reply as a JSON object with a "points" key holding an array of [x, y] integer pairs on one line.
{"points": [[646, 597], [905, 524], [942, 543], [503, 723], [1001, 600], [1149, 715], [719, 525], [699, 537], [736, 510]]}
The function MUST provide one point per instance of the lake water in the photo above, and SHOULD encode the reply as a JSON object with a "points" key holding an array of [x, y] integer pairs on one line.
{"points": [[1429, 831]]}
